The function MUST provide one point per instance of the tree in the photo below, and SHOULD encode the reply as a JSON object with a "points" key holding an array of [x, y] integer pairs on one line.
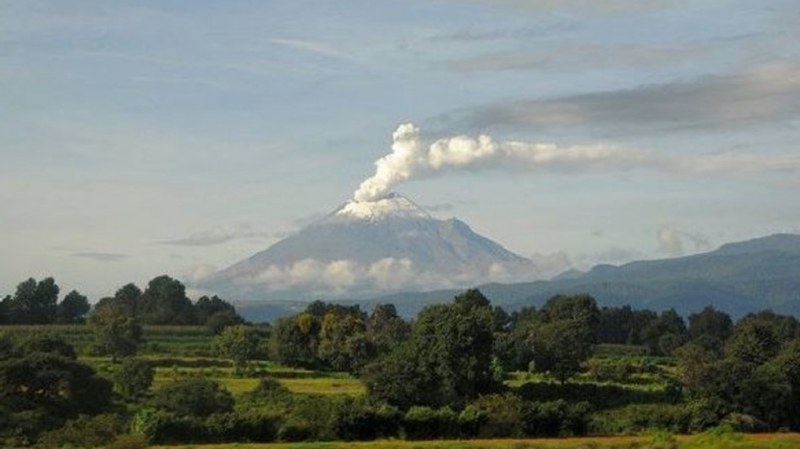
{"points": [[710, 323], [115, 332], [386, 329], [133, 378], [343, 342], [73, 308], [165, 302], [198, 397], [753, 341], [578, 308], [33, 302], [42, 384], [294, 341], [668, 323], [560, 346], [447, 361], [223, 313], [239, 343]]}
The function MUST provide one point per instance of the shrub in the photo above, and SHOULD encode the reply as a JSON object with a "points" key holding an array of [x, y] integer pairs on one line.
{"points": [[421, 423], [193, 397], [503, 415], [133, 378], [85, 431], [128, 442], [556, 418], [356, 419]]}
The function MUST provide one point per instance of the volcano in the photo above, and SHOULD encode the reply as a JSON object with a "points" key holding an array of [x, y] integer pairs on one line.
{"points": [[367, 248]]}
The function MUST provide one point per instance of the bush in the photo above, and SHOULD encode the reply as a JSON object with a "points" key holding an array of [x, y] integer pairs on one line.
{"points": [[420, 423], [193, 397], [85, 431], [637, 418], [356, 419], [556, 418], [133, 378], [128, 442], [503, 415]]}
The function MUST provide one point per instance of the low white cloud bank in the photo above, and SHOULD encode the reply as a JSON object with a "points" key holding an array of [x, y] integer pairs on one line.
{"points": [[387, 274], [414, 158]]}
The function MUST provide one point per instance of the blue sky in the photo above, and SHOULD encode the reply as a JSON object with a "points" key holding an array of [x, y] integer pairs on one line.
{"points": [[147, 137]]}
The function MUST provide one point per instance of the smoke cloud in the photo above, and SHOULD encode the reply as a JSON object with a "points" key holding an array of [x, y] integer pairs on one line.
{"points": [[413, 158]]}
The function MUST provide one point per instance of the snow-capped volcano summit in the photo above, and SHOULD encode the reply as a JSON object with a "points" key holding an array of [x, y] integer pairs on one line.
{"points": [[365, 248], [392, 205]]}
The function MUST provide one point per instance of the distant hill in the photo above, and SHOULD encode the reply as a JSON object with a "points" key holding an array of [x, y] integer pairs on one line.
{"points": [[743, 277], [739, 278]]}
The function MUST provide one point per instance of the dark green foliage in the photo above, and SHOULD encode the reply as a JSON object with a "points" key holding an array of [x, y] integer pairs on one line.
{"points": [[665, 334], [559, 347], [331, 336], [42, 385], [753, 341], [164, 301], [294, 341], [116, 333], [222, 319], [48, 343], [446, 362], [756, 379], [133, 378], [623, 325], [72, 309], [599, 396], [215, 313], [33, 303], [674, 418], [385, 329], [238, 343], [562, 334], [344, 345], [710, 323], [197, 397], [422, 423], [357, 419], [85, 431]]}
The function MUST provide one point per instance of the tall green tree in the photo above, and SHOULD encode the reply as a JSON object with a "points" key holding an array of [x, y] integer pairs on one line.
{"points": [[33, 302], [133, 378], [115, 332], [164, 301], [447, 361], [386, 329], [73, 308], [238, 343]]}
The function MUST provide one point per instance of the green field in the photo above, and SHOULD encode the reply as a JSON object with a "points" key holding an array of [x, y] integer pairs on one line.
{"points": [[704, 441]]}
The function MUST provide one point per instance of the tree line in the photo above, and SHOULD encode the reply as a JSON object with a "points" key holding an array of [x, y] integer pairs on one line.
{"points": [[162, 302], [442, 374]]}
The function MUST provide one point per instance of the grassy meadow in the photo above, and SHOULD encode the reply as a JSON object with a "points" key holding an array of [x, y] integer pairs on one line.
{"points": [[703, 441]]}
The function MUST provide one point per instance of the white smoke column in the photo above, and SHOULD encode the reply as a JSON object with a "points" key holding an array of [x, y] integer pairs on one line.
{"points": [[412, 159]]}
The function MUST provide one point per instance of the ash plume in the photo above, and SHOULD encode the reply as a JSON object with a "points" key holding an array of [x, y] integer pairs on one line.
{"points": [[414, 158]]}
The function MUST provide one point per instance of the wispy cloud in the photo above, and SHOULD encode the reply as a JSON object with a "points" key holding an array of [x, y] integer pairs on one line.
{"points": [[764, 94], [575, 55], [218, 236], [588, 7], [100, 257], [316, 47], [672, 240]]}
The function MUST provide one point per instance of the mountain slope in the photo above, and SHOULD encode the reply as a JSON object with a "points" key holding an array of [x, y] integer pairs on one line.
{"points": [[370, 248], [738, 277]]}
